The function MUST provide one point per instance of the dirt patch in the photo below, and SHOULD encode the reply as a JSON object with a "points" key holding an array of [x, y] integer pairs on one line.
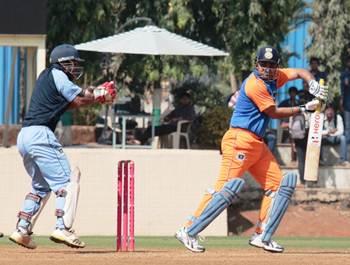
{"points": [[305, 220], [251, 256]]}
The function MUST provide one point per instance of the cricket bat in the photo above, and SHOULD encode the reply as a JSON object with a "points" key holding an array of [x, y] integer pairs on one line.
{"points": [[314, 140]]}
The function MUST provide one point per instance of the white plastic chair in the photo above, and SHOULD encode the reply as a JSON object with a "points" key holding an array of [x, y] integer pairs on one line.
{"points": [[183, 130]]}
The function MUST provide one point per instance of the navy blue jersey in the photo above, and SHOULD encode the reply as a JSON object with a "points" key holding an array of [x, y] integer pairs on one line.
{"points": [[52, 94]]}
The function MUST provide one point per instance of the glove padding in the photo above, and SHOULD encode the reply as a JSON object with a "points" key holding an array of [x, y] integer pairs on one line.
{"points": [[320, 92], [311, 106], [105, 93]]}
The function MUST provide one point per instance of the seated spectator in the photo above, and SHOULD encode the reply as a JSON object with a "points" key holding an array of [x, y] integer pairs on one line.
{"points": [[333, 134], [314, 69], [292, 101], [232, 99], [270, 138], [345, 98], [304, 94], [184, 111], [299, 129]]}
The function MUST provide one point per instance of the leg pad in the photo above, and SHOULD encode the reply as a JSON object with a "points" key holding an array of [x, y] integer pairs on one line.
{"points": [[219, 202], [279, 205]]}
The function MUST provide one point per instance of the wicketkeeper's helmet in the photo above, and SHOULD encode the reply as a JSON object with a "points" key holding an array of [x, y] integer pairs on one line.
{"points": [[68, 57]]}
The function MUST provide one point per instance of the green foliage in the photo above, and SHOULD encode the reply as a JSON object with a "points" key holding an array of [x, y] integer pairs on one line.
{"points": [[202, 91], [86, 115], [215, 122], [80, 21], [330, 33], [238, 27]]}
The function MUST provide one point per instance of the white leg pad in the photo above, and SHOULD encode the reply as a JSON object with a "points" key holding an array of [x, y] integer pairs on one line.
{"points": [[42, 205], [70, 206]]}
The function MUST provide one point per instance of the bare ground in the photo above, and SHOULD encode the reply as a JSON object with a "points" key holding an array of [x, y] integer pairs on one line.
{"points": [[250, 256]]}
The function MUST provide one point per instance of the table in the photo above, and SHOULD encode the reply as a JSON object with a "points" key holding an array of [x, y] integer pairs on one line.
{"points": [[124, 118]]}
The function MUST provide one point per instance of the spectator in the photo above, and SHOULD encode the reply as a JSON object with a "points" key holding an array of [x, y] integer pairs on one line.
{"points": [[298, 128], [345, 98], [232, 99], [292, 101], [333, 134], [270, 138], [314, 69], [304, 95], [184, 111]]}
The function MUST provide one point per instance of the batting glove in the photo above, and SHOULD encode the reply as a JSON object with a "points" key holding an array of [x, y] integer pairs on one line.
{"points": [[317, 90], [105, 93], [311, 106]]}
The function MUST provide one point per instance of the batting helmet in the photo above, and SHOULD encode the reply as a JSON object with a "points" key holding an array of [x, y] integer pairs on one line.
{"points": [[267, 62], [268, 54], [68, 57], [64, 52]]}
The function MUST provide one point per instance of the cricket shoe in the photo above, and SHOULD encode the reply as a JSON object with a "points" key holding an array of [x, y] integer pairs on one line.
{"points": [[272, 246], [67, 237], [23, 238], [190, 242]]}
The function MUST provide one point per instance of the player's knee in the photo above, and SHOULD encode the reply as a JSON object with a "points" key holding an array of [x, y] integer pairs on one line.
{"points": [[231, 188], [288, 183]]}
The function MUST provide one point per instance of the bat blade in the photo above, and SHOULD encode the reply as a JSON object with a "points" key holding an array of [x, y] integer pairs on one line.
{"points": [[314, 146]]}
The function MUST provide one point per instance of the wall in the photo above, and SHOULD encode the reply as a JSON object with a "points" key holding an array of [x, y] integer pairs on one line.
{"points": [[169, 185]]}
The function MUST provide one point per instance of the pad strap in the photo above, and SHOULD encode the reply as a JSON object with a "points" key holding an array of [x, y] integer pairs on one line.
{"points": [[25, 216], [33, 197]]}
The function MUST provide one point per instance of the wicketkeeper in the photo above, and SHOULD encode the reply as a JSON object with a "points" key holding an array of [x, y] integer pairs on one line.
{"points": [[43, 156], [243, 149]]}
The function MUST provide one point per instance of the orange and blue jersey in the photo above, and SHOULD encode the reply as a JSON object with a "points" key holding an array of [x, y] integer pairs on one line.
{"points": [[255, 96]]}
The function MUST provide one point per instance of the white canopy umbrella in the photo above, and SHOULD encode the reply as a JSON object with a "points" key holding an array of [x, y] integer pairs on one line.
{"points": [[150, 40]]}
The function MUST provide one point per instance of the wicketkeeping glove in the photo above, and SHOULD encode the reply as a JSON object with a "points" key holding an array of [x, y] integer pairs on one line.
{"points": [[105, 93], [311, 106], [319, 91]]}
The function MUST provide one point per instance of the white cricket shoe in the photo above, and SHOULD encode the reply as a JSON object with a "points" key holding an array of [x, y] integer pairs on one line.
{"points": [[188, 241], [272, 246], [23, 238], [67, 237]]}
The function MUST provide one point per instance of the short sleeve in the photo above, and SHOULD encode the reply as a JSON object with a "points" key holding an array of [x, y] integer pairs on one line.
{"points": [[256, 90], [284, 75], [65, 87]]}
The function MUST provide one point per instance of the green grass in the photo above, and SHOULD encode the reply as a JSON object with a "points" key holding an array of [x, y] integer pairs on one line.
{"points": [[210, 242]]}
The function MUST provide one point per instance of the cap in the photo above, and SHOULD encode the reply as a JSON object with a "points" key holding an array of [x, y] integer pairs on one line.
{"points": [[268, 54]]}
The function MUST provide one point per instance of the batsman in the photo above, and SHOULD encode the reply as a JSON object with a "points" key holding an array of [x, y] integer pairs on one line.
{"points": [[243, 149], [42, 154]]}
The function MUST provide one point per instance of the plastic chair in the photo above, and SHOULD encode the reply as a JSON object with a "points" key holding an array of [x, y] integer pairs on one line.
{"points": [[183, 130]]}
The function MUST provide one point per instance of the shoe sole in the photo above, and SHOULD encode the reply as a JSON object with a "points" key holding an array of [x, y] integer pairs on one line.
{"points": [[273, 251], [263, 247], [60, 241], [256, 246], [20, 244], [191, 249]]}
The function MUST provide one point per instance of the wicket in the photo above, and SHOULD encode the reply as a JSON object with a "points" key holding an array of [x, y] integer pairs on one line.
{"points": [[125, 239]]}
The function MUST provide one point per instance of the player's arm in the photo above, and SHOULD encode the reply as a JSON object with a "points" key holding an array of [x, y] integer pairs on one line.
{"points": [[84, 98], [288, 74], [276, 113], [105, 93]]}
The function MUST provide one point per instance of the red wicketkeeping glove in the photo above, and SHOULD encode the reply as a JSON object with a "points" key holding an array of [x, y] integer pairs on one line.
{"points": [[105, 93]]}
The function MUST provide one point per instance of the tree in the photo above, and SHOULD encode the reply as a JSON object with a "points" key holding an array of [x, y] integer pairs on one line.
{"points": [[80, 21], [330, 35], [239, 27]]}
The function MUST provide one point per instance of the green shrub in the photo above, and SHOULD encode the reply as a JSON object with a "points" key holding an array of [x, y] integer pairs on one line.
{"points": [[214, 123]]}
